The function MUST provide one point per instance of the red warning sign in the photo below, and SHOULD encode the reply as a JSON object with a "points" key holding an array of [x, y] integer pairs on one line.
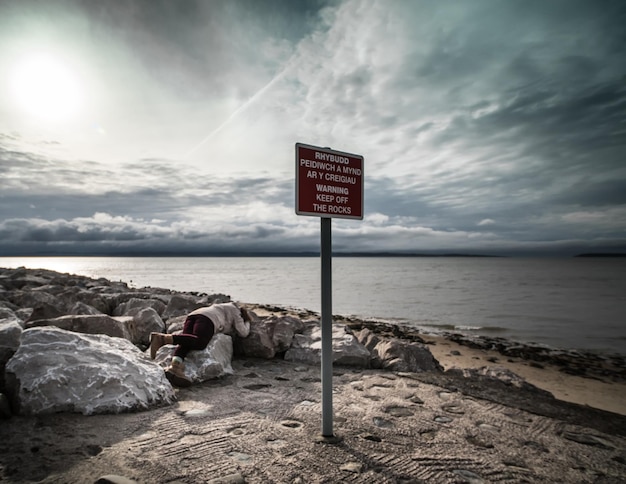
{"points": [[329, 183]]}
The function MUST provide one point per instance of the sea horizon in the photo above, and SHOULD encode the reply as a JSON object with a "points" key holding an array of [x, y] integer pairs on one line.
{"points": [[572, 303], [254, 254]]}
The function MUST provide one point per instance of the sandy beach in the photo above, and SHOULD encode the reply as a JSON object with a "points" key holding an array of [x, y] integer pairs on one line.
{"points": [[263, 424], [594, 392]]}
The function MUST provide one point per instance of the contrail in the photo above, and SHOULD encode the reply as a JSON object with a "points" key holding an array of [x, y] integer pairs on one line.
{"points": [[239, 110]]}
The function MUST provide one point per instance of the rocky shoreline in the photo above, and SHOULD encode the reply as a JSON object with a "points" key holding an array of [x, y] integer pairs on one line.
{"points": [[254, 414], [572, 362]]}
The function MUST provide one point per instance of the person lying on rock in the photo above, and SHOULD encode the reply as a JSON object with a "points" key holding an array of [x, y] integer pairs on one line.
{"points": [[200, 326]]}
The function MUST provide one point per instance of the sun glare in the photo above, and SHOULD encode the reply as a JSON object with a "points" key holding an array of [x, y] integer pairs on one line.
{"points": [[46, 88]]}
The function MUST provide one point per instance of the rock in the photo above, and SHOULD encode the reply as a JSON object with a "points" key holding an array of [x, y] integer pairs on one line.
{"points": [[501, 374], [589, 439], [80, 308], [399, 355], [115, 479], [367, 338], [45, 310], [229, 479], [95, 300], [23, 314], [55, 370], [175, 324], [34, 299], [137, 303], [180, 305], [370, 340], [208, 299], [10, 335], [6, 312], [90, 324], [258, 343], [347, 351], [283, 330], [213, 362], [269, 337], [146, 320], [354, 467]]}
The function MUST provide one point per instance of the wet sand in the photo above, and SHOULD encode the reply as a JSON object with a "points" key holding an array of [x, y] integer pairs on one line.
{"points": [[596, 392]]}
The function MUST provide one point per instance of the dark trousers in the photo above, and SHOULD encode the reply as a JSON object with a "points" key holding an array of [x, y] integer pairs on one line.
{"points": [[197, 332]]}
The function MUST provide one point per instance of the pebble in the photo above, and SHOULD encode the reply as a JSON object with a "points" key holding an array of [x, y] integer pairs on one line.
{"points": [[382, 423], [488, 427], [371, 437], [588, 439], [229, 479], [355, 467], [451, 408], [398, 411], [257, 386], [114, 479], [479, 442], [197, 412], [240, 456], [292, 424]]}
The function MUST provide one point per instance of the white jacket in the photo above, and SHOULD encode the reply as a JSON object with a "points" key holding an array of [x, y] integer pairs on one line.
{"points": [[225, 316]]}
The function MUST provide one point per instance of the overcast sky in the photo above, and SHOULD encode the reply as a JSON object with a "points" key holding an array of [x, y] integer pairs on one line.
{"points": [[492, 127]]}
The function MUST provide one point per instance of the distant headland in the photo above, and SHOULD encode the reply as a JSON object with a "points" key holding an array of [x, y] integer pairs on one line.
{"points": [[601, 254]]}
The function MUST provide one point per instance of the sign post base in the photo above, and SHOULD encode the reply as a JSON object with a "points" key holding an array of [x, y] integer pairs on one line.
{"points": [[323, 439]]}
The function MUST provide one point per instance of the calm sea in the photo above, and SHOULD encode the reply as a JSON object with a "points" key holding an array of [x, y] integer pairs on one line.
{"points": [[564, 303]]}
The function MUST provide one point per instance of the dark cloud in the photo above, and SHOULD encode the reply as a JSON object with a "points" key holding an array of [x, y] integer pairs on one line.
{"points": [[486, 126], [605, 193]]}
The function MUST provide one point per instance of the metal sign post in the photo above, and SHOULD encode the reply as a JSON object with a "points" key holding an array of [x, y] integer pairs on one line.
{"points": [[327, 326], [329, 184]]}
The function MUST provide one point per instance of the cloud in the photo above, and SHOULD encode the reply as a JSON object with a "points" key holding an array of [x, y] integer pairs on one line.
{"points": [[484, 126]]}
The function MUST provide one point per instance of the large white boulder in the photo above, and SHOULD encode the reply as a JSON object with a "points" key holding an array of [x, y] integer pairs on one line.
{"points": [[212, 362], [55, 370], [117, 327]]}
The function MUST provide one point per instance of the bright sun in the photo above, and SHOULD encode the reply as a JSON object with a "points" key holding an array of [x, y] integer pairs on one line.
{"points": [[46, 88]]}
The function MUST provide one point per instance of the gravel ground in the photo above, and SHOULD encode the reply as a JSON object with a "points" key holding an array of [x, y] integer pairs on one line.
{"points": [[263, 423]]}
